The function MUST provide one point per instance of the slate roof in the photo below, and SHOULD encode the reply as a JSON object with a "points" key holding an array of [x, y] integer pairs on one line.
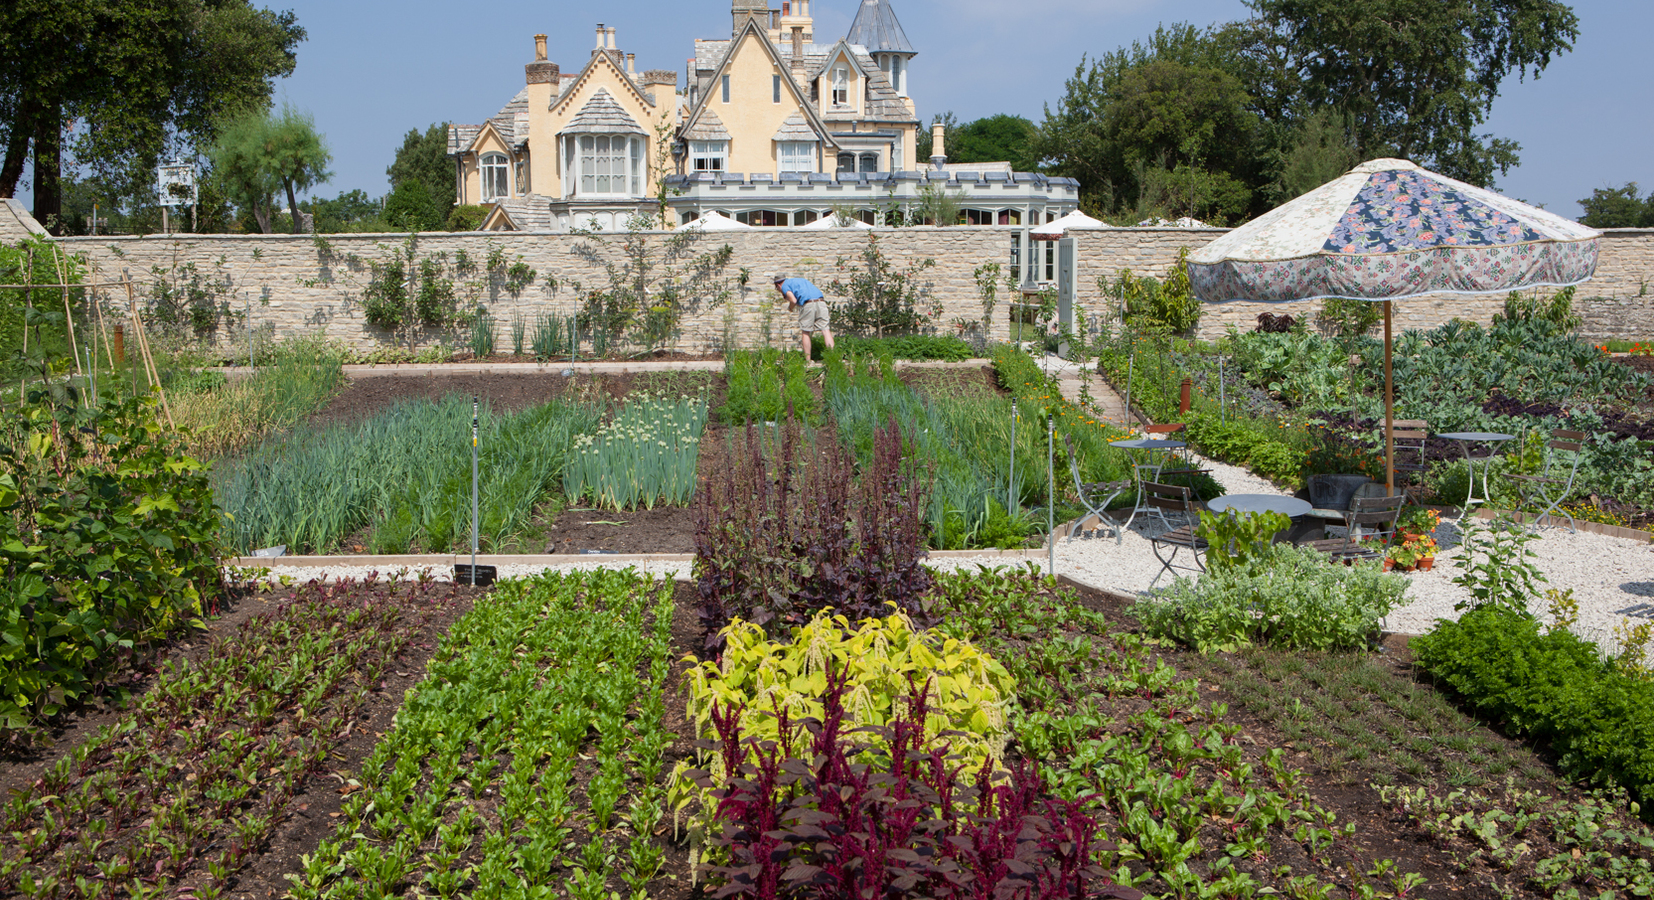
{"points": [[512, 119], [876, 28], [883, 103], [461, 136], [708, 128], [795, 129], [603, 115], [530, 212]]}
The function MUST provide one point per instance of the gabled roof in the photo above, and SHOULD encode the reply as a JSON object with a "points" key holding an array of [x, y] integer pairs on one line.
{"points": [[602, 115], [795, 89], [461, 137], [876, 28], [883, 103], [530, 212], [795, 129], [567, 94], [708, 128], [512, 119]]}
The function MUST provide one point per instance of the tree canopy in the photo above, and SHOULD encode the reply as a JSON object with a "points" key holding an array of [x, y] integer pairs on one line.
{"points": [[117, 83], [1225, 122], [421, 160], [1618, 208], [261, 153]]}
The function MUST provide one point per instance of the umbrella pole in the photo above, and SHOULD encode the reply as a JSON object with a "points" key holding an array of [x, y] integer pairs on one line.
{"points": [[1389, 413]]}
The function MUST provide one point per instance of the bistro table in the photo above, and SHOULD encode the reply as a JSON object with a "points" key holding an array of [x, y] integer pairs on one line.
{"points": [[1145, 448], [1465, 439], [1291, 507]]}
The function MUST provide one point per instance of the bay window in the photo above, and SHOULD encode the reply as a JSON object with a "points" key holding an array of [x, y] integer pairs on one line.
{"points": [[604, 165]]}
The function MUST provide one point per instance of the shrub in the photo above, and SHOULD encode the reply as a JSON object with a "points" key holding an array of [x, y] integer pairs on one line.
{"points": [[779, 537], [1169, 306], [1248, 443], [907, 346], [832, 820], [879, 297], [1552, 686], [108, 538], [1285, 596]]}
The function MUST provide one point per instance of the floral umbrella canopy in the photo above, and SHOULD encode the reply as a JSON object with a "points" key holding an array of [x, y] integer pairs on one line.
{"points": [[1389, 230]]}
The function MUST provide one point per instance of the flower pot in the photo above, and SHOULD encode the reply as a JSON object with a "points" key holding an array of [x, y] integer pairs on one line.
{"points": [[1389, 564], [1426, 563]]}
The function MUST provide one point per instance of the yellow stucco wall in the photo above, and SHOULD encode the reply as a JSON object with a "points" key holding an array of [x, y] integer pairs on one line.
{"points": [[488, 142], [548, 172], [751, 115]]}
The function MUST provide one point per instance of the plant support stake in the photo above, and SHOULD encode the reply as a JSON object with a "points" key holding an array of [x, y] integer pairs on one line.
{"points": [[473, 491], [1010, 482], [1051, 495]]}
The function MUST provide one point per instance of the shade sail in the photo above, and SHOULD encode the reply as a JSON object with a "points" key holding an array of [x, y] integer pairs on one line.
{"points": [[1389, 230]]}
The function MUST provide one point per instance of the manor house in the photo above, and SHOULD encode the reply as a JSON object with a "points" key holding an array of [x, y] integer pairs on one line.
{"points": [[772, 127]]}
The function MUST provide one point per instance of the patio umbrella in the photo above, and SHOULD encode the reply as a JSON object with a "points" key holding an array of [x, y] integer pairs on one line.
{"points": [[1389, 230], [1054, 229], [713, 221]]}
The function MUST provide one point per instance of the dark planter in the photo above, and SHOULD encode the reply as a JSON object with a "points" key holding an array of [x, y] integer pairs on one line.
{"points": [[1334, 491]]}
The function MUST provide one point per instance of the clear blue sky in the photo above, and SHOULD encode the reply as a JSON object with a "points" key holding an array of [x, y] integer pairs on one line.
{"points": [[372, 69]]}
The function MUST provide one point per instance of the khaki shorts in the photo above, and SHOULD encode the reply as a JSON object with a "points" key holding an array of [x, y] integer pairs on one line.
{"points": [[812, 316]]}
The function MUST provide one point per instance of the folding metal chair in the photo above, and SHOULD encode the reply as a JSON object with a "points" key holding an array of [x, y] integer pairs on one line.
{"points": [[1174, 498], [1379, 514], [1095, 496], [1549, 485]]}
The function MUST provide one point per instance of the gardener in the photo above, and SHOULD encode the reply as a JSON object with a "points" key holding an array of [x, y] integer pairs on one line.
{"points": [[812, 309]]}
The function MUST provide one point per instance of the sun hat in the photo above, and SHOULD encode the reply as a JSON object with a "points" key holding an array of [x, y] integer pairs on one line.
{"points": [[776, 277]]}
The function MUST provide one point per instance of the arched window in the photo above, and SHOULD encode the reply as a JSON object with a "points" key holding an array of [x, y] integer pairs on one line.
{"points": [[494, 178], [870, 162], [847, 162]]}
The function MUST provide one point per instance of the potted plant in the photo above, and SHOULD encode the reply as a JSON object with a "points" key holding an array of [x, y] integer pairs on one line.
{"points": [[1402, 557], [1416, 521]]}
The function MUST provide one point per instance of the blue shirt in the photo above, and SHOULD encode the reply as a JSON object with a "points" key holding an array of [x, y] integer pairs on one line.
{"points": [[802, 290]]}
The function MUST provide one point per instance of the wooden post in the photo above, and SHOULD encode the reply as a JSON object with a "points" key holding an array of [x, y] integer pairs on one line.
{"points": [[118, 357], [68, 316], [1389, 413]]}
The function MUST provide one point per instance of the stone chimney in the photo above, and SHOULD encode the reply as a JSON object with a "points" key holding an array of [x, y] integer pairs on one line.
{"points": [[602, 36], [665, 77], [938, 152], [631, 59], [609, 39], [540, 71]]}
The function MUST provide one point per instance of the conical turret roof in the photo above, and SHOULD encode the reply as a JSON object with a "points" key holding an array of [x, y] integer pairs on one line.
{"points": [[876, 29]]}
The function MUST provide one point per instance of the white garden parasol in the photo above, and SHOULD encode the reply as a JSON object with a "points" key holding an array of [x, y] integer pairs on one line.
{"points": [[1054, 229]]}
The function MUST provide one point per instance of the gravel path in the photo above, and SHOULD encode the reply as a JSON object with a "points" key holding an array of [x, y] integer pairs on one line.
{"points": [[1612, 578]]}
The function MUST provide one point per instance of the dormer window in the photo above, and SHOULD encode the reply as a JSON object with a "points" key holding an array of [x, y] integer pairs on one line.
{"points": [[841, 85], [494, 175]]}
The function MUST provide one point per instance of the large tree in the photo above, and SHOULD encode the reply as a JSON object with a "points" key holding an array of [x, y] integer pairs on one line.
{"points": [[422, 180], [1618, 208], [261, 153], [1415, 78], [119, 82]]}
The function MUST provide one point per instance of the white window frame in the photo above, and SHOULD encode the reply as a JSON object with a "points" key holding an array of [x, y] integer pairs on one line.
{"points": [[709, 156], [605, 165], [795, 156], [495, 171], [897, 80], [841, 85], [521, 174]]}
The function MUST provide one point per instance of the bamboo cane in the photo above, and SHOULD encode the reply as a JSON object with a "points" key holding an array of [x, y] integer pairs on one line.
{"points": [[150, 371], [68, 316], [28, 304]]}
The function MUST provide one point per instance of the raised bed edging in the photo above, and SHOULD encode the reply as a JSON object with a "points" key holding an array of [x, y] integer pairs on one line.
{"points": [[1618, 531]]}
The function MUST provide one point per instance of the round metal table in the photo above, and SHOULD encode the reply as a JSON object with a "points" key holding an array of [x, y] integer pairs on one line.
{"points": [[1465, 439], [1146, 447], [1290, 507]]}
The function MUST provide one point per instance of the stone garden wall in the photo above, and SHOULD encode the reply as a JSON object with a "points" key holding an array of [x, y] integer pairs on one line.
{"points": [[297, 284]]}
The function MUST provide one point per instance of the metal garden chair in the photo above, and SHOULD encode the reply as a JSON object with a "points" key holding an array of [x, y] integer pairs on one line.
{"points": [[1095, 496], [1549, 485], [1174, 498], [1367, 518]]}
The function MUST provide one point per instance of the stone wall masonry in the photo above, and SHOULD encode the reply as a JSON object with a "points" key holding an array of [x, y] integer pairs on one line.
{"points": [[299, 285], [294, 285]]}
